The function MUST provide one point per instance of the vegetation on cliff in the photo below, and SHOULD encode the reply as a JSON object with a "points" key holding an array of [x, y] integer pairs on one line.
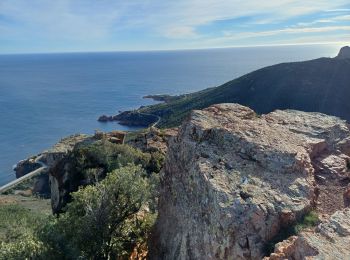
{"points": [[105, 221], [89, 163], [308, 221], [109, 217]]}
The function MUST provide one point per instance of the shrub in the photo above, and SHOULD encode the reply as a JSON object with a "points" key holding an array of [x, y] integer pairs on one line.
{"points": [[26, 248], [17, 233], [105, 154], [95, 160], [309, 220], [106, 220], [156, 162]]}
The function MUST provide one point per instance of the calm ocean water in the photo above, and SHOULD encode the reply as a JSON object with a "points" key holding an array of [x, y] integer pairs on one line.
{"points": [[44, 97]]}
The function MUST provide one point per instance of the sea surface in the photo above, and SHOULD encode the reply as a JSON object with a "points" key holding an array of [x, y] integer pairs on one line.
{"points": [[44, 97]]}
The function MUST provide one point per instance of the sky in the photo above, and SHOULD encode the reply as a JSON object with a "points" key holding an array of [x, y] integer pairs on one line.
{"points": [[32, 26]]}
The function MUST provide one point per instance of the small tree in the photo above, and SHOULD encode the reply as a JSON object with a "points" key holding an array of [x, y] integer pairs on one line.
{"points": [[107, 220]]}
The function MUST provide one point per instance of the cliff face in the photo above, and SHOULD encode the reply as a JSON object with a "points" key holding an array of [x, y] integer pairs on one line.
{"points": [[62, 181], [92, 158], [234, 180], [48, 158]]}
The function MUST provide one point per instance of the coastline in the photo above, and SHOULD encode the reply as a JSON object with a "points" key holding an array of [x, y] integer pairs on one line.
{"points": [[102, 89]]}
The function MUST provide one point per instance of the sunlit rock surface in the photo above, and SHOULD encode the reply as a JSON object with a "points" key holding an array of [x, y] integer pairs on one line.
{"points": [[233, 180]]}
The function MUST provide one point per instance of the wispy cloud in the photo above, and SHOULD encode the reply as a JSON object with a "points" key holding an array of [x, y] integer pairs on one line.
{"points": [[119, 24], [180, 32], [325, 21], [339, 10], [303, 33]]}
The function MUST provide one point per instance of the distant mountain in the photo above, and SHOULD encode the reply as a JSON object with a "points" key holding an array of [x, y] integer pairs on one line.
{"points": [[320, 85]]}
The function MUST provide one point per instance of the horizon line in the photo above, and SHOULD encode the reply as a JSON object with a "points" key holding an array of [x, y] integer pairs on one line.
{"points": [[180, 49]]}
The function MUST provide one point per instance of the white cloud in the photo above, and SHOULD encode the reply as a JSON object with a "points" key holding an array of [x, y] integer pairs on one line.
{"points": [[194, 13], [342, 18], [245, 35], [63, 19], [101, 17], [340, 10], [314, 22], [105, 21], [180, 32], [334, 19]]}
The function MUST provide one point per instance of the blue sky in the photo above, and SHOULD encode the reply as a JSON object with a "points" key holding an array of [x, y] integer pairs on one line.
{"points": [[28, 26]]}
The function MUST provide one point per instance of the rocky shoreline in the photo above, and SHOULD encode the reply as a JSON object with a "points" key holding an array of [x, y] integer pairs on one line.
{"points": [[162, 97], [131, 118], [138, 117]]}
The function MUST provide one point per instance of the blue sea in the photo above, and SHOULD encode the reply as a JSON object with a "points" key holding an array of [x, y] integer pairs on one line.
{"points": [[44, 97]]}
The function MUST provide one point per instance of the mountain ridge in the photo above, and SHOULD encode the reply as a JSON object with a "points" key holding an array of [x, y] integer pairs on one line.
{"points": [[319, 85]]}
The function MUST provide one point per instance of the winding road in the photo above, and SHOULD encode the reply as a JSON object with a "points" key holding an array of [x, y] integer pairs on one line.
{"points": [[155, 123], [29, 175]]}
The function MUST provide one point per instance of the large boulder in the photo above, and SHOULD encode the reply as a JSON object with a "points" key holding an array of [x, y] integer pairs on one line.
{"points": [[234, 180]]}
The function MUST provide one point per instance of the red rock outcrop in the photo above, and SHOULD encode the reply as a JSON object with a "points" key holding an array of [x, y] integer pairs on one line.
{"points": [[233, 180], [153, 140]]}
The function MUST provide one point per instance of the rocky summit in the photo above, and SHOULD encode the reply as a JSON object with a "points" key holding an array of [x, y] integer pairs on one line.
{"points": [[344, 53], [234, 181]]}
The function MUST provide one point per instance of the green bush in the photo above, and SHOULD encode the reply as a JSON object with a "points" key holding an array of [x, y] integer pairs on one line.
{"points": [[156, 162], [93, 161], [17, 233], [106, 220], [109, 155], [309, 220], [26, 248]]}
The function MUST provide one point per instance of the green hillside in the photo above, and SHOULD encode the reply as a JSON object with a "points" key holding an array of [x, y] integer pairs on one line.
{"points": [[320, 85]]}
